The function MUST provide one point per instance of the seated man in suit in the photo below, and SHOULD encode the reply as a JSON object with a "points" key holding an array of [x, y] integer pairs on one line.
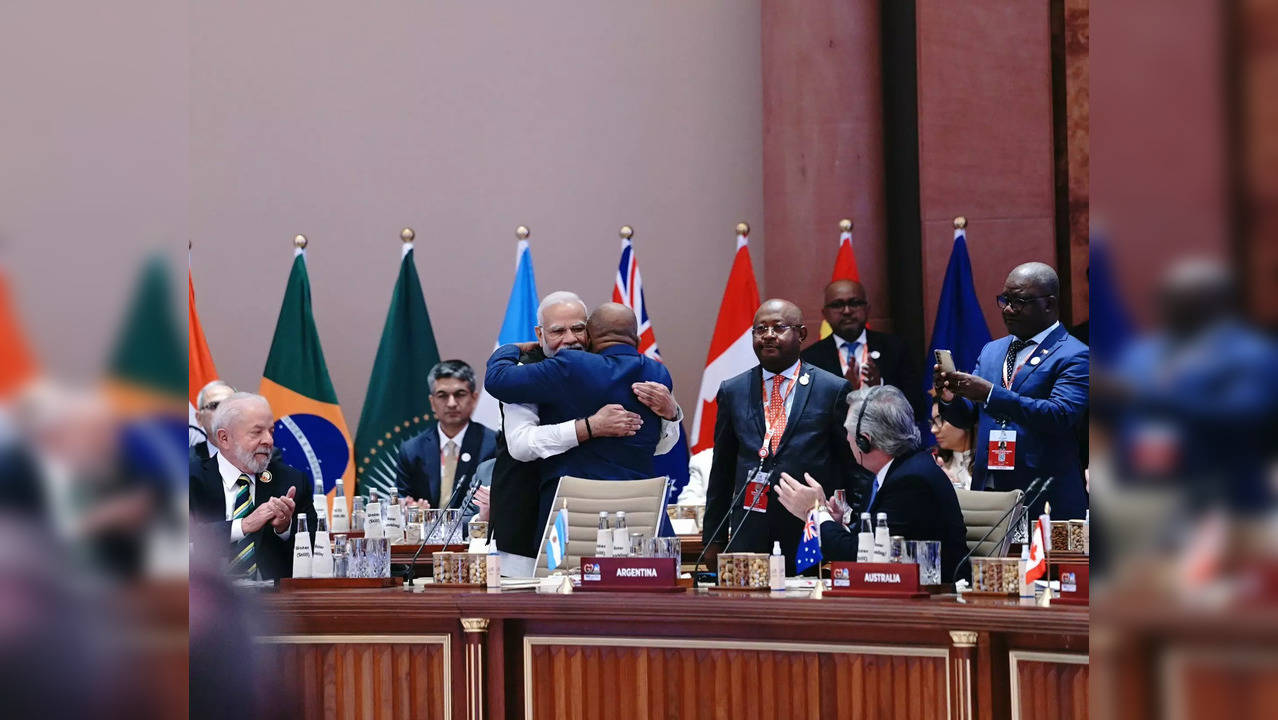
{"points": [[206, 402], [866, 358], [242, 500], [1026, 396], [451, 446], [783, 415], [915, 494], [572, 385]]}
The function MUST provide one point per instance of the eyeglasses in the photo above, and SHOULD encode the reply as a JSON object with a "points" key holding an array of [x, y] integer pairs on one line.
{"points": [[852, 304], [779, 329], [1018, 303]]}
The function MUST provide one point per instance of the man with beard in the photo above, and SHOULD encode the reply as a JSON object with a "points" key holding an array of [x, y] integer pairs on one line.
{"points": [[569, 386], [524, 442], [783, 415], [241, 499]]}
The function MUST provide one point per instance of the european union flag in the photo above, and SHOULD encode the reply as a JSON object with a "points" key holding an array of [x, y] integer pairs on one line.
{"points": [[1109, 325], [960, 326], [809, 553]]}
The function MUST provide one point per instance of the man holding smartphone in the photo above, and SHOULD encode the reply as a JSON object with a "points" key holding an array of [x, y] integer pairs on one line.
{"points": [[1026, 396]]}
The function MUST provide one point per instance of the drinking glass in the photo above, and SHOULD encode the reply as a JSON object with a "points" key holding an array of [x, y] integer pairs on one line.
{"points": [[378, 557], [358, 513], [673, 547], [452, 526], [637, 545], [340, 557], [841, 499], [928, 553], [896, 553], [357, 562], [430, 524], [477, 530]]}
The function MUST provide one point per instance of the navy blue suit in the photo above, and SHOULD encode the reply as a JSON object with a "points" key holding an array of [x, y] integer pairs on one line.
{"points": [[417, 471], [814, 442], [575, 384], [1044, 406], [919, 501]]}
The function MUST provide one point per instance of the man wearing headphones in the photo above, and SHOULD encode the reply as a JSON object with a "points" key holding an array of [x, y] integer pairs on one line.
{"points": [[915, 494]]}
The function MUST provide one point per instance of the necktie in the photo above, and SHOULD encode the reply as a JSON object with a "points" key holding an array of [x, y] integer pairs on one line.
{"points": [[874, 492], [243, 564], [1009, 364], [849, 354], [776, 412], [448, 472]]}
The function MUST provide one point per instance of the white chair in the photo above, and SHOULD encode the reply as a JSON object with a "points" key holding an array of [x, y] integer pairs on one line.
{"points": [[981, 509], [643, 501]]}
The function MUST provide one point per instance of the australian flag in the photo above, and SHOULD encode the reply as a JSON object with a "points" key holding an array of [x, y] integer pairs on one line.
{"points": [[628, 291], [809, 553]]}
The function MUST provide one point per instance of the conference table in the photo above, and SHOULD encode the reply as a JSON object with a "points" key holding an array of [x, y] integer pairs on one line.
{"points": [[434, 652]]}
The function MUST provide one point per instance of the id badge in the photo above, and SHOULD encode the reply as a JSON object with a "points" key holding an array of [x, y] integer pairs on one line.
{"points": [[1002, 450], [756, 494]]}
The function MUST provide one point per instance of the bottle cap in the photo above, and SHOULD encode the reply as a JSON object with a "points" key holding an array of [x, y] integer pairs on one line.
{"points": [[881, 516], [603, 513], [776, 547], [865, 515]]}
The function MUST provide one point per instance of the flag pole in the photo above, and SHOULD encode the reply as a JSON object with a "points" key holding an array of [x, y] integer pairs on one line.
{"points": [[626, 232]]}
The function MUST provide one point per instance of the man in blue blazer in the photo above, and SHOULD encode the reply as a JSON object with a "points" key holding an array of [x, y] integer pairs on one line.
{"points": [[1026, 396], [573, 385], [451, 447], [795, 425]]}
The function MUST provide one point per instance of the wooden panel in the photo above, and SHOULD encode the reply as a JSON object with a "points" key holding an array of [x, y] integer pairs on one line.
{"points": [[631, 678], [365, 680], [1047, 689], [1236, 684]]}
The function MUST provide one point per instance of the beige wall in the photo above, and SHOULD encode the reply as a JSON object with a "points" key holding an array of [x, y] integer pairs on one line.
{"points": [[347, 121]]}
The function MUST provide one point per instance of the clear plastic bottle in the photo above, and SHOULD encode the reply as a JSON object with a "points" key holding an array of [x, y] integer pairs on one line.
{"points": [[301, 549], [865, 540], [603, 540], [776, 568], [322, 555], [358, 514], [373, 521], [882, 539], [1027, 588], [341, 518], [493, 568], [620, 537]]}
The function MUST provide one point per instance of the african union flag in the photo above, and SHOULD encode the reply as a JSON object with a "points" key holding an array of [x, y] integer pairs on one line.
{"points": [[309, 429]]}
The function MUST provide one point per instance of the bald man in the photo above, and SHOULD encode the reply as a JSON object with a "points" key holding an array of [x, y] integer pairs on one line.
{"points": [[574, 384], [865, 358], [1026, 396], [783, 415]]}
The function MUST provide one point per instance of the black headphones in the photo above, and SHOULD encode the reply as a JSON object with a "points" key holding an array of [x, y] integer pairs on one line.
{"points": [[863, 441]]}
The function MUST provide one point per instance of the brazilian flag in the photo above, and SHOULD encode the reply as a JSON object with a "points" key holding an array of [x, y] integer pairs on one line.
{"points": [[397, 405], [309, 429]]}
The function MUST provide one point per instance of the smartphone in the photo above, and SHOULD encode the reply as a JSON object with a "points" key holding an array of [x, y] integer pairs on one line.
{"points": [[945, 359]]}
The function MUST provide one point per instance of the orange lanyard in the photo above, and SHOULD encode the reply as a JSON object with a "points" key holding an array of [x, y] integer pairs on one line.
{"points": [[767, 437]]}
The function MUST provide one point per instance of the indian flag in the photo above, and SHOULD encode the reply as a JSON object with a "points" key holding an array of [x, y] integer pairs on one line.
{"points": [[309, 428]]}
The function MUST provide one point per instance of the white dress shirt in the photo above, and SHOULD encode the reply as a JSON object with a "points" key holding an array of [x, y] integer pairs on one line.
{"points": [[230, 475], [791, 375], [443, 440], [527, 440]]}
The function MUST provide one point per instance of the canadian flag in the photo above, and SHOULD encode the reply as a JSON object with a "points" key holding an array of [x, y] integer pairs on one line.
{"points": [[731, 348], [1037, 565]]}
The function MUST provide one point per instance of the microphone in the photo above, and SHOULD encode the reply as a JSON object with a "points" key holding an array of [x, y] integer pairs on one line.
{"points": [[1034, 487], [411, 572], [735, 499]]}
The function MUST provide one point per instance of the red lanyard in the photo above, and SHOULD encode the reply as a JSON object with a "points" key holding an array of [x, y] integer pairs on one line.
{"points": [[767, 437]]}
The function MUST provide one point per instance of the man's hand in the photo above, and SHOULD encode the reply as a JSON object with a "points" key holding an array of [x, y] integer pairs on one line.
{"points": [[962, 384], [853, 375], [527, 346], [412, 502], [614, 421], [835, 509], [938, 384], [259, 518], [658, 399], [284, 508], [481, 500], [797, 497], [870, 373]]}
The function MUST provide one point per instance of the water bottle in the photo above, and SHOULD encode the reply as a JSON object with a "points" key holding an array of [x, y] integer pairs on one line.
{"points": [[322, 555], [393, 529], [358, 514], [1027, 588], [882, 539], [373, 521], [776, 568], [341, 519], [865, 540], [301, 549], [603, 540], [493, 568], [620, 537], [319, 500]]}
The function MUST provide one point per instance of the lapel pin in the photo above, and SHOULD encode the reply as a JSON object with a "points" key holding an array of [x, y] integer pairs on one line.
{"points": [[1035, 360], [874, 354], [265, 477], [803, 379], [465, 457]]}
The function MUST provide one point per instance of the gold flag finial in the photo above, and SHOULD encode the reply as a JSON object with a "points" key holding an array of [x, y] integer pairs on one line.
{"points": [[522, 232], [960, 222], [300, 242], [627, 232], [407, 235], [743, 228], [845, 225]]}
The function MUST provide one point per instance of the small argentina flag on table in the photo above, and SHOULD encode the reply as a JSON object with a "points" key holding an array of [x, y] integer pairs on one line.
{"points": [[809, 553], [557, 541]]}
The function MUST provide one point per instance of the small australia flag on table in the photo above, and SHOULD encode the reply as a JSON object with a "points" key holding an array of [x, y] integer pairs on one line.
{"points": [[810, 549]]}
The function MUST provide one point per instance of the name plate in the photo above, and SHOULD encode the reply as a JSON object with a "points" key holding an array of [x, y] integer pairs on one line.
{"points": [[899, 580], [1074, 589], [629, 574]]}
